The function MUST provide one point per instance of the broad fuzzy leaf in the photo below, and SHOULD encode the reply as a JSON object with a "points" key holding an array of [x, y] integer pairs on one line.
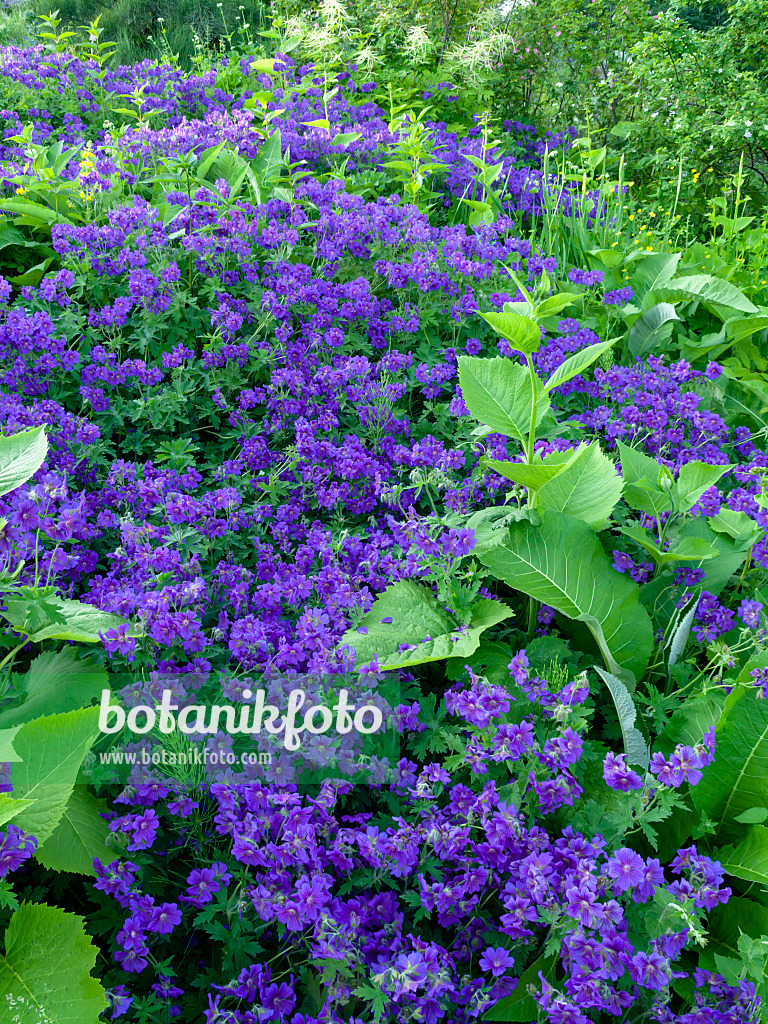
{"points": [[562, 563], [738, 777], [498, 392], [45, 973], [81, 622], [21, 455], [523, 335], [748, 860], [51, 750], [652, 327], [588, 487], [712, 290], [416, 614], [55, 682], [79, 837], [655, 271], [576, 364]]}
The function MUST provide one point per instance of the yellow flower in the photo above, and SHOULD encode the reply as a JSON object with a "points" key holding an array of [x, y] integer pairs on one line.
{"points": [[631, 216], [20, 191]]}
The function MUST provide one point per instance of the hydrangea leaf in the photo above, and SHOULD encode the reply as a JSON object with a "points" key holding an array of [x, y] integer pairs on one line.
{"points": [[51, 750], [415, 618], [79, 837], [737, 779], [749, 859], [21, 455], [562, 563], [55, 682], [498, 392], [45, 972]]}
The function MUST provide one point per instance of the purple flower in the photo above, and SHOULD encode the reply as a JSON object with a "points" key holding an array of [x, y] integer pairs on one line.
{"points": [[497, 960], [626, 869]]}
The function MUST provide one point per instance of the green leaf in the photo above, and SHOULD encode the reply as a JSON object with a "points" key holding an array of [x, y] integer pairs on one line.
{"points": [[748, 860], [35, 212], [7, 749], [82, 622], [562, 563], [523, 335], [588, 487], [651, 328], [56, 682], [51, 750], [737, 779], [655, 271], [21, 455], [520, 1006], [635, 746], [345, 138], [79, 837], [647, 483], [576, 364], [498, 392], [713, 290], [753, 816], [9, 807], [535, 474], [416, 614], [489, 524], [737, 525], [554, 304], [45, 973], [693, 480]]}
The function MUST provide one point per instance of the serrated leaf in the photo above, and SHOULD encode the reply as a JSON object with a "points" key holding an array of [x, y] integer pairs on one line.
{"points": [[55, 682], [10, 807], [416, 614], [635, 746], [562, 563], [51, 750], [748, 860], [82, 622], [79, 837], [499, 393], [737, 779], [576, 364], [45, 971], [588, 487], [523, 334], [693, 480], [21, 455], [654, 271]]}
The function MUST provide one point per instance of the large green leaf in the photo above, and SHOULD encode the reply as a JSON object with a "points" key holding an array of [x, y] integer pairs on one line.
{"points": [[588, 487], [520, 1006], [576, 364], [51, 750], [79, 837], [416, 615], [652, 327], [499, 393], [693, 480], [749, 859], [712, 290], [81, 622], [21, 455], [45, 973], [55, 682], [523, 334], [562, 563], [655, 271], [738, 777], [9, 807]]}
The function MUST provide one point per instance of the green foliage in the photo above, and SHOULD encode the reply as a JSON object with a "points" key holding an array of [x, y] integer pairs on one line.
{"points": [[45, 971]]}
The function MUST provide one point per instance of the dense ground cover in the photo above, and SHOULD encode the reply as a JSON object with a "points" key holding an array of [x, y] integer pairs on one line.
{"points": [[300, 390]]}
